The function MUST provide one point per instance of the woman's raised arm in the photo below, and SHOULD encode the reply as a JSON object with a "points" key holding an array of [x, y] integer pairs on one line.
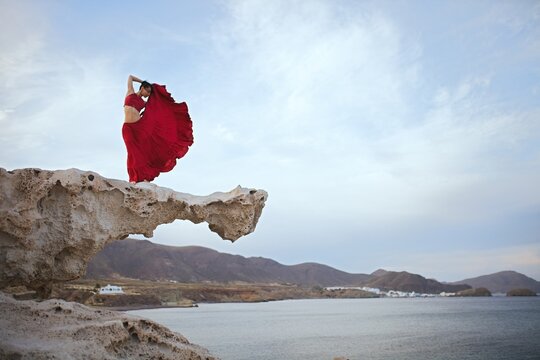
{"points": [[131, 79]]}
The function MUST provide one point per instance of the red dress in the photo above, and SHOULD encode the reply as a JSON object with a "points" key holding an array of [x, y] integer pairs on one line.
{"points": [[162, 135]]}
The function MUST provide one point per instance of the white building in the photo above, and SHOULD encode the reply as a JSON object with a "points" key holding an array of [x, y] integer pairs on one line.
{"points": [[111, 289], [372, 290]]}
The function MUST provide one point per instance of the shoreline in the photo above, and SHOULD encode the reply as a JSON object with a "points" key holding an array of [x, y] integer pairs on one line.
{"points": [[144, 294], [151, 307], [139, 307]]}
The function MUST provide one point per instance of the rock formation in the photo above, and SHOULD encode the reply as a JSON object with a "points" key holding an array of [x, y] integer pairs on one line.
{"points": [[474, 292], [521, 292], [55, 329], [53, 222]]}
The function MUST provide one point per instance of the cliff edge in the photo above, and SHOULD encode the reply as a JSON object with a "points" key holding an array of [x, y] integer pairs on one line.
{"points": [[53, 222]]}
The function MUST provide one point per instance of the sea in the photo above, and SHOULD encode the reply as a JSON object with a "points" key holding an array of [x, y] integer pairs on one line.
{"points": [[380, 328]]}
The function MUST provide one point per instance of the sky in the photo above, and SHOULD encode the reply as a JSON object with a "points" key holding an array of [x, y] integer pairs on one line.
{"points": [[402, 135]]}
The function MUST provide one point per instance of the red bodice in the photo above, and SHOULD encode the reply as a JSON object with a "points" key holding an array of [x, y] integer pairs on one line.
{"points": [[135, 101]]}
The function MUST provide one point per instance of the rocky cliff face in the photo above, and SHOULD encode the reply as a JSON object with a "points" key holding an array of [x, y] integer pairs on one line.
{"points": [[53, 222]]}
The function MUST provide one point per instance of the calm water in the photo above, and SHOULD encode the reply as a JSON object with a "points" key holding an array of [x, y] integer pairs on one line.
{"points": [[436, 328]]}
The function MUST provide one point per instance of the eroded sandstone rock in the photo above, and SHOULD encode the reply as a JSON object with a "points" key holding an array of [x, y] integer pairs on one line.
{"points": [[53, 222], [55, 329]]}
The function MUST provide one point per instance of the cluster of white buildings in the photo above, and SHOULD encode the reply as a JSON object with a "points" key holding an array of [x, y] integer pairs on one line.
{"points": [[393, 293], [403, 294]]}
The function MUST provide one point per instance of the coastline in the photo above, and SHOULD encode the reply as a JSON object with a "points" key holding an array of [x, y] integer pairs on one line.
{"points": [[141, 307], [144, 294]]}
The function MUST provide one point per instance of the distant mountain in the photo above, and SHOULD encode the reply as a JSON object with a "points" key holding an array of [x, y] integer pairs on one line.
{"points": [[142, 259], [404, 281], [503, 282], [379, 272]]}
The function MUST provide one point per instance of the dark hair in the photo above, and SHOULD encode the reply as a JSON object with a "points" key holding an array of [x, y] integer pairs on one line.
{"points": [[145, 84]]}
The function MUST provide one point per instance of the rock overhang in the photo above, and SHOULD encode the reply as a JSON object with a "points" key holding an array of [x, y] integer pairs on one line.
{"points": [[53, 222]]}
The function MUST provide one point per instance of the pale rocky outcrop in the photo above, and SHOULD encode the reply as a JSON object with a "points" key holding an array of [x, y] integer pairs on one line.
{"points": [[53, 222], [55, 329]]}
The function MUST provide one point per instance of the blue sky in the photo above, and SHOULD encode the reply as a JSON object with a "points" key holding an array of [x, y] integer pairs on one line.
{"points": [[401, 134]]}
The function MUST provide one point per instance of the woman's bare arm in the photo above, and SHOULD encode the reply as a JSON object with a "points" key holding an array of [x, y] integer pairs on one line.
{"points": [[131, 79]]}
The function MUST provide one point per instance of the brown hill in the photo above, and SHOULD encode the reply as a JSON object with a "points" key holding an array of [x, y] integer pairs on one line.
{"points": [[502, 282], [521, 292], [474, 292], [404, 281], [142, 259], [379, 272]]}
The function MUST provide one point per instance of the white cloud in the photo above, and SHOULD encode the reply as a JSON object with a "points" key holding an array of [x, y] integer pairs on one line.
{"points": [[19, 60], [78, 114], [338, 99], [317, 68], [58, 109], [224, 133]]}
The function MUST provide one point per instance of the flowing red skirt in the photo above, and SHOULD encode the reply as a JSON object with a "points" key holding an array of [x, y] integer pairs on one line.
{"points": [[162, 135]]}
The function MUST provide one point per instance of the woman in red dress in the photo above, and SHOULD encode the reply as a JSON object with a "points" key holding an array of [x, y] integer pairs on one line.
{"points": [[156, 132]]}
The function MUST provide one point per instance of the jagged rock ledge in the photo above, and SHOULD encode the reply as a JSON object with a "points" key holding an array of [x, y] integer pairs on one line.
{"points": [[55, 329], [53, 222]]}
